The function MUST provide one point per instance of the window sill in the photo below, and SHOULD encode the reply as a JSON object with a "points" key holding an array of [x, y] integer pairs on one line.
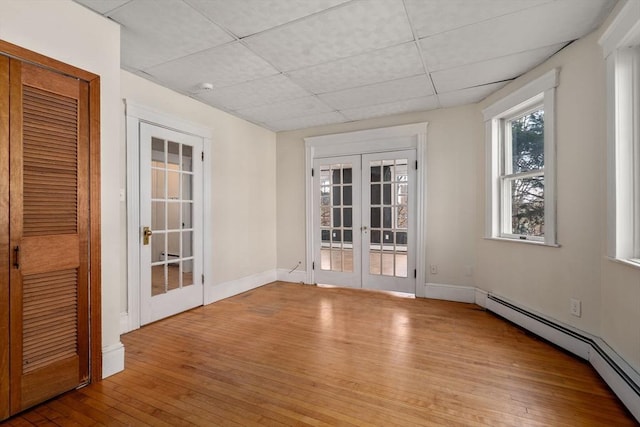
{"points": [[526, 242], [635, 263]]}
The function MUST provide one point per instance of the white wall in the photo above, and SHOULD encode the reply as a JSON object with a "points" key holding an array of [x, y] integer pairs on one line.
{"points": [[70, 33], [545, 278], [243, 188], [453, 136]]}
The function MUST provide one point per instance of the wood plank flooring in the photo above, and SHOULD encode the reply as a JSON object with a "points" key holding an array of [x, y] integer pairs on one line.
{"points": [[288, 354]]}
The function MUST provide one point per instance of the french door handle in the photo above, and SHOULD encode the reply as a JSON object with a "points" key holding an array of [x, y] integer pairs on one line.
{"points": [[363, 228], [16, 257], [146, 234]]}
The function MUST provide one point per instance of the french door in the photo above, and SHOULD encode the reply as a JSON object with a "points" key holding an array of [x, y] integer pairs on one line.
{"points": [[171, 222], [365, 221]]}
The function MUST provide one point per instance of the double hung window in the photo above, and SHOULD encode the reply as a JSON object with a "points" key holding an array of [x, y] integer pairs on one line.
{"points": [[520, 164]]}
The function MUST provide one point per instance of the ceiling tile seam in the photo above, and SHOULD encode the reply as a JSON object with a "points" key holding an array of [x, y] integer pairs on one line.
{"points": [[279, 102], [296, 20], [389, 103], [223, 28], [368, 84], [480, 85], [362, 53], [220, 46], [346, 119], [488, 19], [115, 9], [493, 58], [386, 103], [420, 53], [290, 80]]}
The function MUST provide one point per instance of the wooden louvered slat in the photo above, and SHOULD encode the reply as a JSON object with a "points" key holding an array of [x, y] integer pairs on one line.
{"points": [[50, 156], [49, 322]]}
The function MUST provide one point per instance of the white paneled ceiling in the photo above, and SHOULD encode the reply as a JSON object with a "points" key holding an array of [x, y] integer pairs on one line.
{"points": [[290, 64]]}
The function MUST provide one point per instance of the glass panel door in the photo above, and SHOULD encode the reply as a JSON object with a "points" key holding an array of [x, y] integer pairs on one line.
{"points": [[364, 218], [337, 207], [388, 221], [171, 219]]}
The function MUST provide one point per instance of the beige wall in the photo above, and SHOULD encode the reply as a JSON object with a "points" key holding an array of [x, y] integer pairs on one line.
{"points": [[70, 33], [545, 278], [453, 136], [242, 159], [540, 278]]}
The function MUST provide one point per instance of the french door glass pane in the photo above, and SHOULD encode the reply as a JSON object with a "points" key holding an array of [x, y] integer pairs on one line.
{"points": [[388, 218], [172, 216], [336, 217]]}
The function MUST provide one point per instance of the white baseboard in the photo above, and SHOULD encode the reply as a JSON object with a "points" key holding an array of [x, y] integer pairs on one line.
{"points": [[228, 289], [481, 298], [124, 323], [297, 276], [614, 370], [449, 292], [112, 359]]}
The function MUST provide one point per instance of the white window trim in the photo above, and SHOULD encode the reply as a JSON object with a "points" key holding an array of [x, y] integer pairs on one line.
{"points": [[537, 92], [621, 48]]}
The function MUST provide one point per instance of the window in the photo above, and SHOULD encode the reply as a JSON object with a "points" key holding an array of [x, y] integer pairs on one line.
{"points": [[520, 159], [621, 46]]}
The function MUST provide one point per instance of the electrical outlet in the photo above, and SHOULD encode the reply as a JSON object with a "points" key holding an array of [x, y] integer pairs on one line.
{"points": [[433, 268], [575, 307]]}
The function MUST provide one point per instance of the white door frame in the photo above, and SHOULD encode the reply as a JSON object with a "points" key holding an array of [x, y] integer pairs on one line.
{"points": [[395, 138], [136, 114]]}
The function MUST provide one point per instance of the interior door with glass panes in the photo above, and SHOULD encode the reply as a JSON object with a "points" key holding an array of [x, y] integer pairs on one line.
{"points": [[389, 221], [337, 256], [171, 222]]}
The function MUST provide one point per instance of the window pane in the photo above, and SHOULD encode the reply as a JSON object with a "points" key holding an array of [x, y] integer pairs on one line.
{"points": [[348, 220], [375, 172], [527, 142], [337, 218], [336, 174], [347, 179], [347, 195], [375, 194], [336, 195], [187, 154], [527, 206]]}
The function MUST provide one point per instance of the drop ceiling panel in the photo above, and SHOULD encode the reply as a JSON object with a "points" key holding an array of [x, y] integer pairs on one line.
{"points": [[379, 93], [268, 90], [469, 95], [374, 67], [404, 106], [308, 121], [552, 23], [222, 66], [300, 107], [437, 16], [247, 17], [493, 70], [155, 31], [103, 6], [350, 29]]}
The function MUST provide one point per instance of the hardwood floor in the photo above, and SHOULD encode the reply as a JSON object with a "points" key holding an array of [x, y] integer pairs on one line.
{"points": [[288, 354]]}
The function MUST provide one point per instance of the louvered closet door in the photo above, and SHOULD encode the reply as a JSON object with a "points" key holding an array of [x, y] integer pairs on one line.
{"points": [[49, 247]]}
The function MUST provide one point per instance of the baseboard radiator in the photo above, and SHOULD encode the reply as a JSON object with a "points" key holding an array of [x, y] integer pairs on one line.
{"points": [[618, 374]]}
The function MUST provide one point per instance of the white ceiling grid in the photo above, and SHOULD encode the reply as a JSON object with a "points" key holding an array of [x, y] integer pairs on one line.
{"points": [[290, 64]]}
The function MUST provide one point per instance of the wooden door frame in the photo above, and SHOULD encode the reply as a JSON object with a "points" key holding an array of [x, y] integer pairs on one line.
{"points": [[95, 261]]}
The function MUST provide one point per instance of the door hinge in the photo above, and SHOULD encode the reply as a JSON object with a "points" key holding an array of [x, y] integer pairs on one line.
{"points": [[313, 265], [202, 278], [415, 274], [202, 156], [311, 171], [416, 165]]}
